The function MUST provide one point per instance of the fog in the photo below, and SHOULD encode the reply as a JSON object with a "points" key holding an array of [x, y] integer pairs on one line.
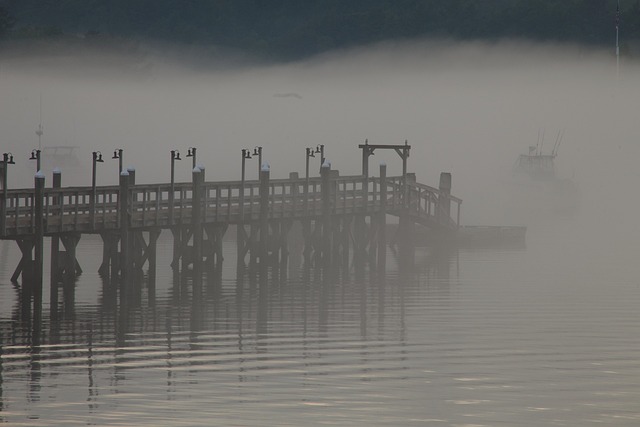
{"points": [[465, 108]]}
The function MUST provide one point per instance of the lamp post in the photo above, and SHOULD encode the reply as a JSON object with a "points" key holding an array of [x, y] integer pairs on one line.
{"points": [[175, 155], [117, 154], [35, 155], [257, 151], [97, 158], [310, 153], [191, 152], [240, 233], [320, 150], [7, 159]]}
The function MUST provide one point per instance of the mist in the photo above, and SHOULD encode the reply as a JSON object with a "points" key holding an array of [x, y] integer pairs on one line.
{"points": [[465, 108]]}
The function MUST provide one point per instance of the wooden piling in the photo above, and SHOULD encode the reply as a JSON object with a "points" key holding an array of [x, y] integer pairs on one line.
{"points": [[123, 214], [406, 228], [55, 249], [152, 258], [196, 224], [264, 215], [325, 191], [38, 245], [382, 221], [444, 200], [3, 201]]}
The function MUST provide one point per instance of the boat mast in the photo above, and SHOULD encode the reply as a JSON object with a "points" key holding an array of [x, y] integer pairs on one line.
{"points": [[40, 130], [617, 39]]}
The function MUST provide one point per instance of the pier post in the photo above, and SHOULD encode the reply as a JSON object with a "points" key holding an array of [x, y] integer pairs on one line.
{"points": [[3, 206], [38, 253], [196, 224], [382, 221], [55, 246], [406, 228], [135, 237], [265, 171], [444, 201], [152, 258], [125, 255], [325, 190]]}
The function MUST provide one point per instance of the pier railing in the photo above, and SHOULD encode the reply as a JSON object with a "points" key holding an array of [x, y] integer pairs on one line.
{"points": [[70, 209]]}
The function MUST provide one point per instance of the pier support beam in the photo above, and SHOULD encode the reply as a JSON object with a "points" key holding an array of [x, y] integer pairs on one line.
{"points": [[406, 231], [325, 173], [109, 267], [26, 262], [125, 244], [264, 216], [178, 232], [55, 274], [38, 246], [70, 268], [212, 245], [444, 200], [196, 224], [152, 258], [382, 221]]}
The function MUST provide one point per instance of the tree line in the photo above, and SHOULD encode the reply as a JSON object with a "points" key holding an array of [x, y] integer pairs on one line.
{"points": [[289, 29]]}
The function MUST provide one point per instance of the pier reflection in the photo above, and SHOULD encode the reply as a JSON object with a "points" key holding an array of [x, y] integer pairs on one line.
{"points": [[156, 322]]}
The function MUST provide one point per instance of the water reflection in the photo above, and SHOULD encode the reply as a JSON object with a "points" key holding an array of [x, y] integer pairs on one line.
{"points": [[291, 318]]}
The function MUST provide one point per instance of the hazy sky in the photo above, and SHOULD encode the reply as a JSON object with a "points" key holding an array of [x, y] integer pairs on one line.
{"points": [[469, 109]]}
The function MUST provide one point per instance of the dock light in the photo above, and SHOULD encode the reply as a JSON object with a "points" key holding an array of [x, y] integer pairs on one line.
{"points": [[8, 159], [246, 154], [117, 154], [97, 158], [257, 151], [191, 152], [320, 150], [310, 153], [35, 155], [175, 155]]}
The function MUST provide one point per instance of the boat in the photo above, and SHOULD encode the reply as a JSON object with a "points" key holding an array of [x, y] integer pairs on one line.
{"points": [[61, 156], [537, 184]]}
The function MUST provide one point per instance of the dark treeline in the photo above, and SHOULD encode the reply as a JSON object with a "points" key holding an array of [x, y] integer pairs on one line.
{"points": [[287, 29]]}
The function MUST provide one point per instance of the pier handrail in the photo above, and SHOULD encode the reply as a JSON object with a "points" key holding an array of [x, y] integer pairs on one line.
{"points": [[68, 209]]}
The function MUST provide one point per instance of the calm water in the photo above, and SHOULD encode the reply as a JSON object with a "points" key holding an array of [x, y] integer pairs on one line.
{"points": [[543, 335]]}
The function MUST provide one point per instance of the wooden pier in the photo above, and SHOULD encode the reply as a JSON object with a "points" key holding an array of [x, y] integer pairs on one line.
{"points": [[342, 220]]}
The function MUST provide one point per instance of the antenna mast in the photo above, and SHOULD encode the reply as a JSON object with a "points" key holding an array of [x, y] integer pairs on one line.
{"points": [[40, 130], [617, 39]]}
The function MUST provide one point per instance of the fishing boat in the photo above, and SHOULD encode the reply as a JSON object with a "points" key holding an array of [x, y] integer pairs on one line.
{"points": [[538, 186]]}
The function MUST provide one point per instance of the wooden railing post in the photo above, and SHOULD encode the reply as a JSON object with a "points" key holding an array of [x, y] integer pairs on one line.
{"points": [[325, 190], [55, 238], [265, 171], [38, 243], [444, 201], [3, 201], [125, 255], [196, 224], [382, 220], [293, 194]]}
